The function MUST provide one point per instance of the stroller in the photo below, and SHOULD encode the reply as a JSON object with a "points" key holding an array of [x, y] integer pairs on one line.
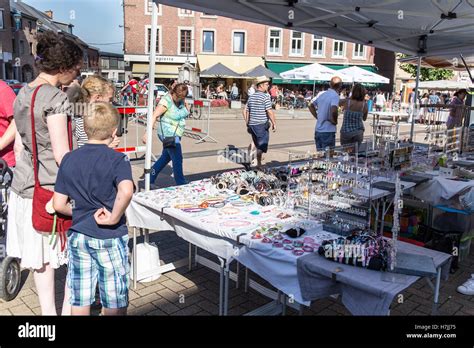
{"points": [[10, 271]]}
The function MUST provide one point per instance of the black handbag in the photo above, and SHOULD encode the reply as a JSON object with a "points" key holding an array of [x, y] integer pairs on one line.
{"points": [[169, 142]]}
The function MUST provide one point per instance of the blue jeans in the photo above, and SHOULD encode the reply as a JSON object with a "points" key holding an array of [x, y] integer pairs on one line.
{"points": [[175, 155], [325, 139]]}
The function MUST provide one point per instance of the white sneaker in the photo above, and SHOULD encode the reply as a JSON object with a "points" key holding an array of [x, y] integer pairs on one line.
{"points": [[467, 288]]}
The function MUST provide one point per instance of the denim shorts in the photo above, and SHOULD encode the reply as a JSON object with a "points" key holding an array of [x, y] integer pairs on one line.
{"points": [[102, 260], [260, 136]]}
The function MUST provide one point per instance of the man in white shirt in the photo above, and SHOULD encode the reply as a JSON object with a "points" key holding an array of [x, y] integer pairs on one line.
{"points": [[380, 101], [325, 110], [234, 92]]}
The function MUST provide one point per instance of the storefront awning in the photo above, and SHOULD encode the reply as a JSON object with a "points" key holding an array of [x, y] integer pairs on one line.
{"points": [[279, 67], [239, 64], [163, 71]]}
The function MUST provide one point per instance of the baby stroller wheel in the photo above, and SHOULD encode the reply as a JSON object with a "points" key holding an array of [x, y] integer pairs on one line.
{"points": [[10, 278]]}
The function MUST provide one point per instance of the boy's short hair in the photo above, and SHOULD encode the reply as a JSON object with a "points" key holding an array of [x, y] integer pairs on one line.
{"points": [[101, 121]]}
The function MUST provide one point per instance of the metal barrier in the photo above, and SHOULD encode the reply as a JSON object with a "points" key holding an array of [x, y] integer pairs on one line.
{"points": [[132, 119], [198, 125]]}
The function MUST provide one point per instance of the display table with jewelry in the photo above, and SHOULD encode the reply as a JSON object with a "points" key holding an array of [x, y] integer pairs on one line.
{"points": [[267, 221]]}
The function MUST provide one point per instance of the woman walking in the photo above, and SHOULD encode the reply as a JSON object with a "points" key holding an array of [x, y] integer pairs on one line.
{"points": [[171, 114], [59, 61]]}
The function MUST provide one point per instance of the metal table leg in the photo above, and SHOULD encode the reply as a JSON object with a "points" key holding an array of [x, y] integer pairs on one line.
{"points": [[237, 275], [195, 254], [134, 255], [221, 286], [190, 257], [246, 286], [436, 292], [226, 287]]}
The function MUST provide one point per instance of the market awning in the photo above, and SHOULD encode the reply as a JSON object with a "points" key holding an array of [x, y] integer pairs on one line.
{"points": [[239, 64], [442, 85], [452, 63], [280, 67], [261, 71], [427, 28], [164, 71], [219, 70]]}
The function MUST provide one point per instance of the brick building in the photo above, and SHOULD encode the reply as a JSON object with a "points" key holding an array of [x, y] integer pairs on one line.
{"points": [[205, 40], [6, 37], [19, 24]]}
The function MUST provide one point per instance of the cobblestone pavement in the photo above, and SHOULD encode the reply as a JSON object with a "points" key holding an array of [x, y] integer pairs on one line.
{"points": [[195, 292]]}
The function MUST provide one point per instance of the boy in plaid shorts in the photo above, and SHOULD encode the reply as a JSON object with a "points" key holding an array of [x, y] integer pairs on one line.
{"points": [[98, 182]]}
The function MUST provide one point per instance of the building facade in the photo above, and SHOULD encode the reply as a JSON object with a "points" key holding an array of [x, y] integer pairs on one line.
{"points": [[205, 40], [112, 66], [19, 24]]}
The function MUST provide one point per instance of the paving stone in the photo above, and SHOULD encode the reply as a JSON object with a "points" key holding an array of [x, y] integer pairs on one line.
{"points": [[189, 300], [5, 312], [172, 285], [142, 310], [176, 277], [238, 300], [157, 312], [210, 307], [21, 310], [449, 308], [189, 310], [188, 283], [145, 299], [203, 313], [169, 295], [210, 296], [13, 303], [32, 301], [132, 295], [237, 311], [150, 289], [166, 306]]}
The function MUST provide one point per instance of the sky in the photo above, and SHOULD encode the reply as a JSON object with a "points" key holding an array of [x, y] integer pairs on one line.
{"points": [[95, 21]]}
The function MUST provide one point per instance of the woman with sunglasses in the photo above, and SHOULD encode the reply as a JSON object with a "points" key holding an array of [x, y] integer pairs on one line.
{"points": [[171, 114]]}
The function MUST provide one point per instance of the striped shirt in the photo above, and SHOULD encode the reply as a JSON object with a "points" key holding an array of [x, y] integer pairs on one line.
{"points": [[79, 131], [257, 106]]}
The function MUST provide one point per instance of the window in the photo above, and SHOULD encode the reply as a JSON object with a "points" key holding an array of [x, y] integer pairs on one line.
{"points": [[148, 40], [113, 63], [208, 15], [185, 13], [296, 48], [149, 7], [104, 63], [30, 26], [2, 25], [238, 42], [14, 46], [31, 48], [359, 51], [22, 47], [318, 46], [185, 41], [121, 65], [274, 41], [208, 41], [338, 49]]}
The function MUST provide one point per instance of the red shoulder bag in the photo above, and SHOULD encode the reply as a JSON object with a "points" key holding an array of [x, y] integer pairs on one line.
{"points": [[42, 220]]}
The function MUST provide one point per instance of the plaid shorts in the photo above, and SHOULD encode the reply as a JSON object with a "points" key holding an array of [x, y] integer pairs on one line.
{"points": [[103, 260]]}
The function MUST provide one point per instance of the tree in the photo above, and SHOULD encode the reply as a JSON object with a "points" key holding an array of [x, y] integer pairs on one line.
{"points": [[427, 74]]}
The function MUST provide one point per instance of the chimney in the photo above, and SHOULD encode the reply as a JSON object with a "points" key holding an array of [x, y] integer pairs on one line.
{"points": [[49, 13]]}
